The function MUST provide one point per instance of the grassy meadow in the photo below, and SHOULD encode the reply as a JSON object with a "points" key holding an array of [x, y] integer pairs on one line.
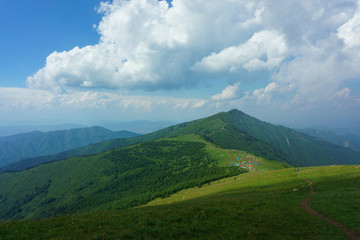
{"points": [[255, 205]]}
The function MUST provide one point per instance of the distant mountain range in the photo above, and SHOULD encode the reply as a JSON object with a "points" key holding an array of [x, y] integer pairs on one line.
{"points": [[347, 140], [233, 130], [140, 126], [17, 147], [13, 130]]}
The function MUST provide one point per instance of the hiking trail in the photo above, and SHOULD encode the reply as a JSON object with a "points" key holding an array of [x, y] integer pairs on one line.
{"points": [[353, 235]]}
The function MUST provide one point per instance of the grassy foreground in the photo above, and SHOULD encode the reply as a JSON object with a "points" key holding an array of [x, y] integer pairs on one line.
{"points": [[250, 206]]}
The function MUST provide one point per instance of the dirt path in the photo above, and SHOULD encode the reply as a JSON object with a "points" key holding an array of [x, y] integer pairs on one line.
{"points": [[353, 235]]}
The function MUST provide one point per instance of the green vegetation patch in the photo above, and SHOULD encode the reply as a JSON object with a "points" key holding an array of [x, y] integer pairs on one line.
{"points": [[337, 193], [234, 157], [248, 206], [116, 179]]}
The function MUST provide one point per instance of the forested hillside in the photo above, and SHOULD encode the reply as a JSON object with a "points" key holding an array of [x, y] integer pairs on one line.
{"points": [[116, 179]]}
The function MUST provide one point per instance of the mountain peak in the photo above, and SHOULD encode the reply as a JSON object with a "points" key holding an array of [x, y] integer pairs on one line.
{"points": [[236, 112]]}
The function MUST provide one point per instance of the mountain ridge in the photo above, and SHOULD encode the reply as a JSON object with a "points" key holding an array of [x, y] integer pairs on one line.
{"points": [[350, 141], [232, 129], [20, 146], [119, 178]]}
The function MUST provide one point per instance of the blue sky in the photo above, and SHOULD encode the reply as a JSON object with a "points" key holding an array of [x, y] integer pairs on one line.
{"points": [[287, 62], [31, 30]]}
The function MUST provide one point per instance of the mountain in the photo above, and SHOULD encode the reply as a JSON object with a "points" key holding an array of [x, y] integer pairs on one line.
{"points": [[214, 129], [351, 141], [17, 147], [233, 129], [116, 179], [139, 126], [300, 148], [13, 130], [95, 195], [128, 172]]}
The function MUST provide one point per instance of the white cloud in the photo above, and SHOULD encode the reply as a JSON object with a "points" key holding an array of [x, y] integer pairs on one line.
{"points": [[350, 31], [267, 45], [343, 93], [290, 54], [199, 104], [20, 98], [146, 45], [229, 92], [265, 94]]}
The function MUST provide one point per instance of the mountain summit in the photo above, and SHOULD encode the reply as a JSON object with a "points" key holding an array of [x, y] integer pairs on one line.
{"points": [[231, 130]]}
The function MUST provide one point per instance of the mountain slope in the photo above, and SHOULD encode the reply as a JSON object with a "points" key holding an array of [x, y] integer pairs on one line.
{"points": [[212, 128], [249, 206], [300, 148], [347, 140], [233, 129], [115, 179], [20, 146]]}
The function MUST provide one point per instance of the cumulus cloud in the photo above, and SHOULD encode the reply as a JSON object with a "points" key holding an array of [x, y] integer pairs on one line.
{"points": [[350, 31], [230, 92], [265, 49], [265, 94], [147, 45], [320, 62], [305, 52]]}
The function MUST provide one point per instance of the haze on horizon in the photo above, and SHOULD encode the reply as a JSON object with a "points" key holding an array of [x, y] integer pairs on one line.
{"points": [[286, 62]]}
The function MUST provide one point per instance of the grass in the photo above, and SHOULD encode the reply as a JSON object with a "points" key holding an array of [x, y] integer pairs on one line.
{"points": [[337, 193], [249, 206], [225, 156], [122, 178]]}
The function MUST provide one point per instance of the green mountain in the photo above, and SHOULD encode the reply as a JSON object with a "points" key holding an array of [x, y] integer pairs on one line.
{"points": [[302, 149], [128, 172], [20, 146], [234, 130], [215, 129], [116, 179]]}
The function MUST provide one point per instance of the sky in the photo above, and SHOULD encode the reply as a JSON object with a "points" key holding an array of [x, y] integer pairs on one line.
{"points": [[295, 63]]}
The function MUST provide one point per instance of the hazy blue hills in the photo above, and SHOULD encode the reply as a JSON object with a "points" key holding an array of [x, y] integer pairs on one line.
{"points": [[139, 126], [351, 141], [17, 147], [13, 130]]}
